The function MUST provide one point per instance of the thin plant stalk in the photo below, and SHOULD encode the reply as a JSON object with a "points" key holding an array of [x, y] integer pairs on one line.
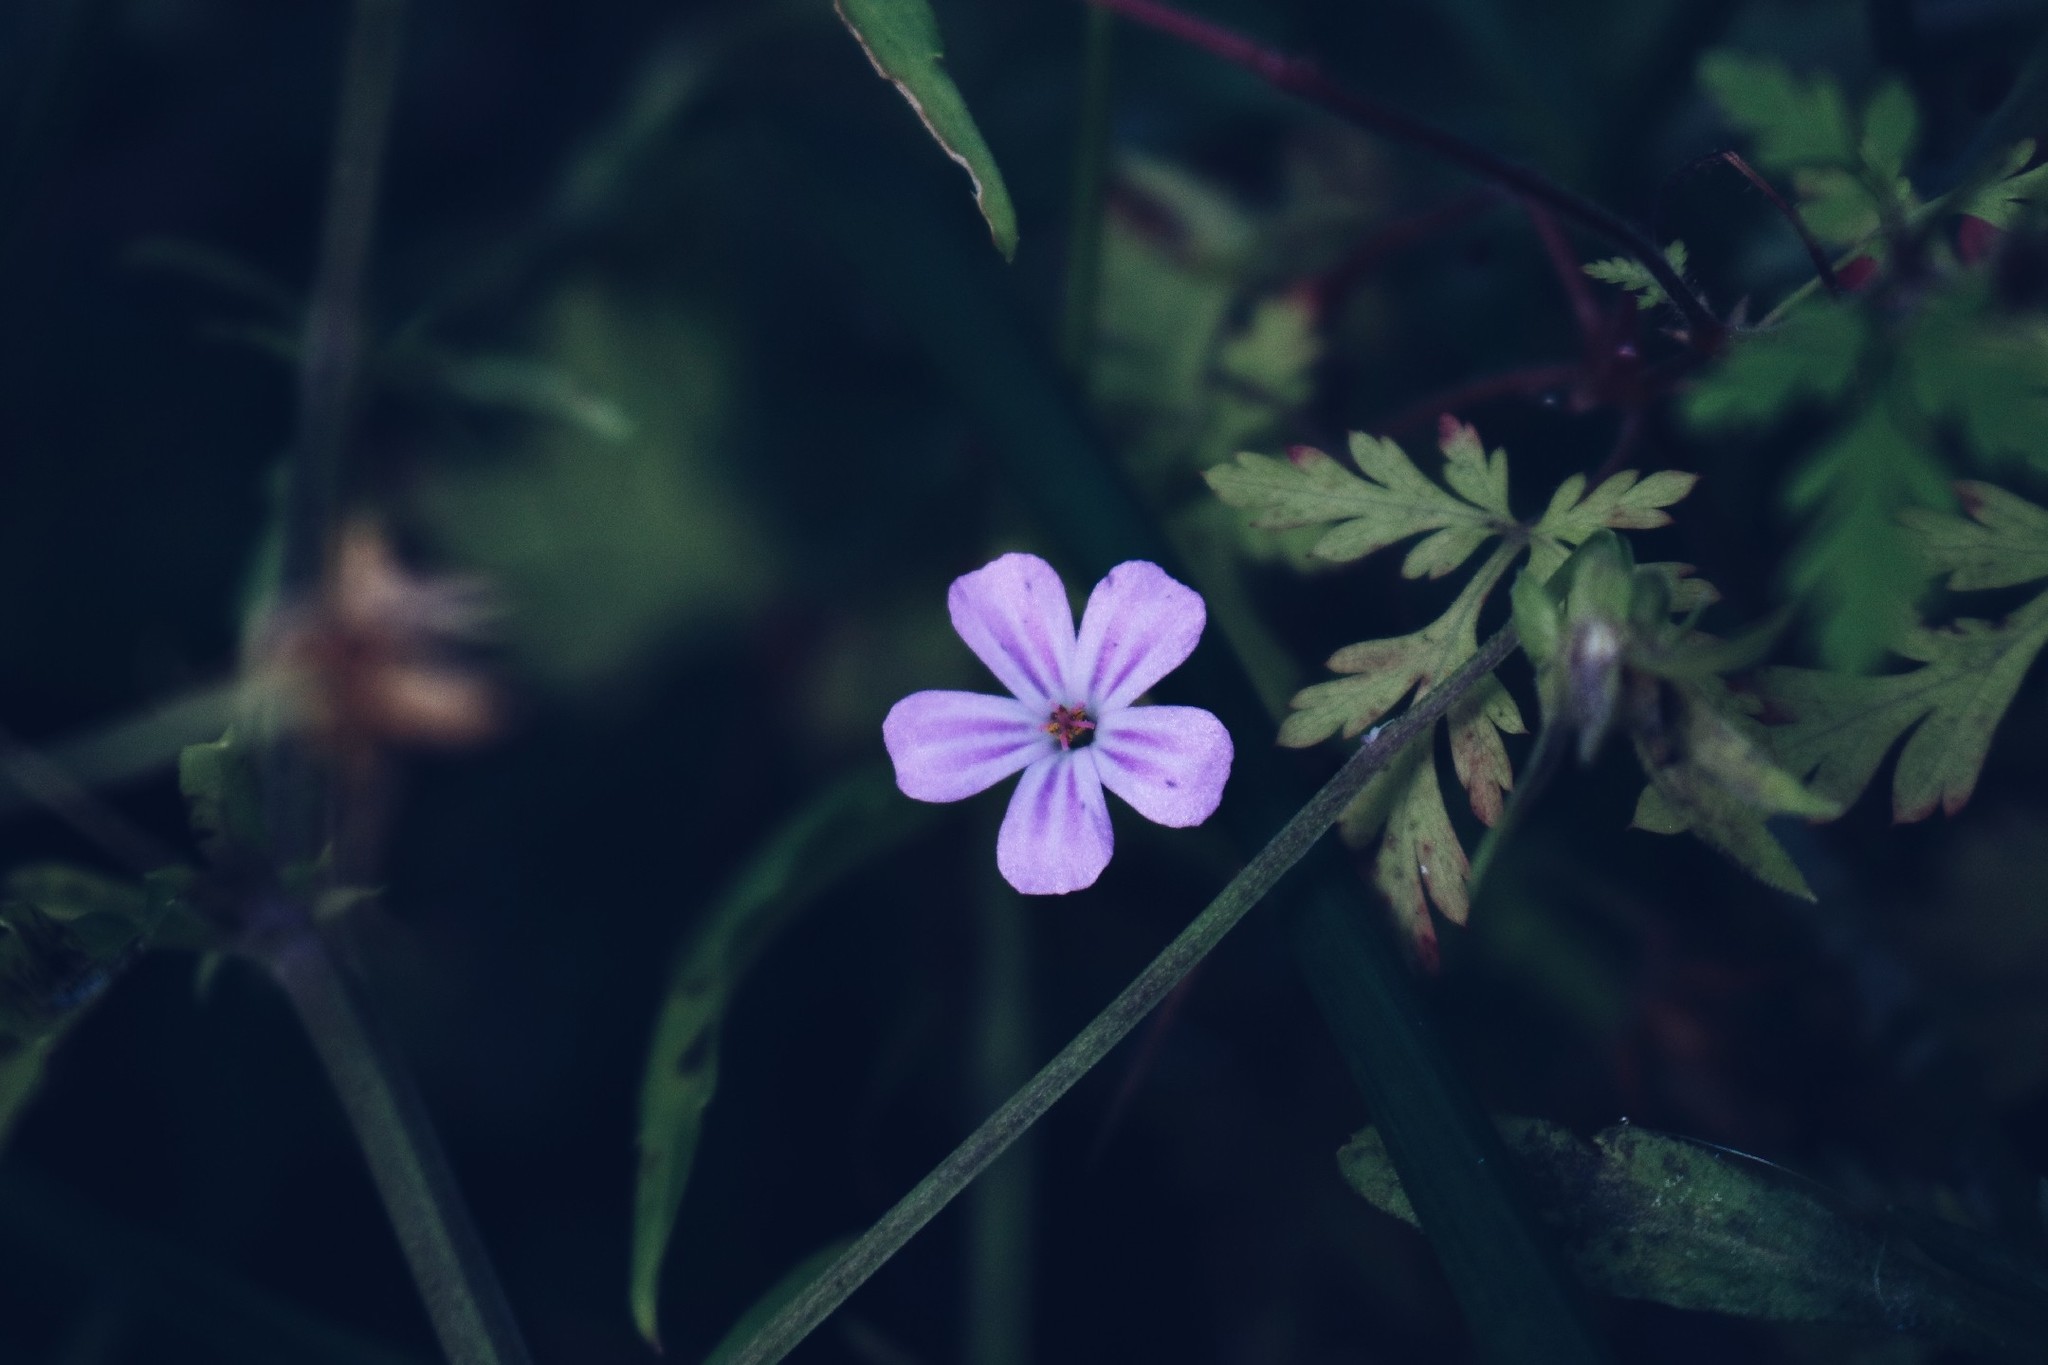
{"points": [[981, 1147], [440, 1244], [1001, 1209], [1086, 197], [471, 1318]]}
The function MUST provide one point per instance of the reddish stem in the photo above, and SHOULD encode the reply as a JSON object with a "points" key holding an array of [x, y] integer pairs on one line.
{"points": [[1300, 76], [1586, 309], [1336, 284], [1522, 383], [1815, 252]]}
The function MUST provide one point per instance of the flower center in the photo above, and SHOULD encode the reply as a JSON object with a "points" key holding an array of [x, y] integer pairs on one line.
{"points": [[1071, 727]]}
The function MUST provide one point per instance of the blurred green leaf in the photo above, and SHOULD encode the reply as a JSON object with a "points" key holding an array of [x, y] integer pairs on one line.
{"points": [[2016, 189], [65, 932], [1793, 122], [514, 384], [607, 545], [1891, 129], [1985, 371], [901, 38], [1811, 355], [1646, 1215], [852, 823], [223, 796], [1628, 273], [1852, 562]]}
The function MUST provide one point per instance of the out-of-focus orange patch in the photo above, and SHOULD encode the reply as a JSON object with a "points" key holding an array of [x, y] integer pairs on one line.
{"points": [[373, 663]]}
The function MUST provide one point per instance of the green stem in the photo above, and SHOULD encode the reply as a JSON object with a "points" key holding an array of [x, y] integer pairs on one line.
{"points": [[332, 352], [441, 1247], [1093, 1043], [1084, 224], [1001, 1208]]}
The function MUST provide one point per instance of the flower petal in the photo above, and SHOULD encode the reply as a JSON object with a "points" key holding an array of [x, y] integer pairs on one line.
{"points": [[1055, 837], [1169, 762], [1139, 626], [1013, 613], [950, 745]]}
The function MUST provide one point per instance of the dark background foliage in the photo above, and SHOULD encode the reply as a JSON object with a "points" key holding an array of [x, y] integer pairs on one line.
{"points": [[711, 616]]}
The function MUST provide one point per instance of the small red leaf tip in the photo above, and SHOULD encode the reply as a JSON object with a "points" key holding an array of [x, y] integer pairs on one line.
{"points": [[1976, 238], [1428, 955], [1303, 456], [1858, 274]]}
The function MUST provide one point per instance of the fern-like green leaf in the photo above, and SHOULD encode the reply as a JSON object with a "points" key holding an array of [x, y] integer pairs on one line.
{"points": [[1622, 502], [1986, 373], [1626, 272], [1379, 673], [1389, 500]]}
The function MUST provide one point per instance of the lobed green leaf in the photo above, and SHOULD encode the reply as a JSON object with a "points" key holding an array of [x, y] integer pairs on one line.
{"points": [[1811, 356], [1986, 373], [2012, 192], [1389, 500], [1623, 502], [1793, 122], [1841, 727], [1852, 563], [2001, 542]]}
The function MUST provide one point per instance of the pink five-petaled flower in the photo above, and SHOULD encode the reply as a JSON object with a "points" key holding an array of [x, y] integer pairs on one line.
{"points": [[1068, 724]]}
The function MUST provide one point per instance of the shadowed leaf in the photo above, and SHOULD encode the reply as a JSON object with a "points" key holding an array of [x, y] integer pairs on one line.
{"points": [[1708, 774], [1646, 1215], [65, 933], [851, 824]]}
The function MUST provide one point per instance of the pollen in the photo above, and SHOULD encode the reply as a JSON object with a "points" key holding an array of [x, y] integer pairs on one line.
{"points": [[1069, 725]]}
